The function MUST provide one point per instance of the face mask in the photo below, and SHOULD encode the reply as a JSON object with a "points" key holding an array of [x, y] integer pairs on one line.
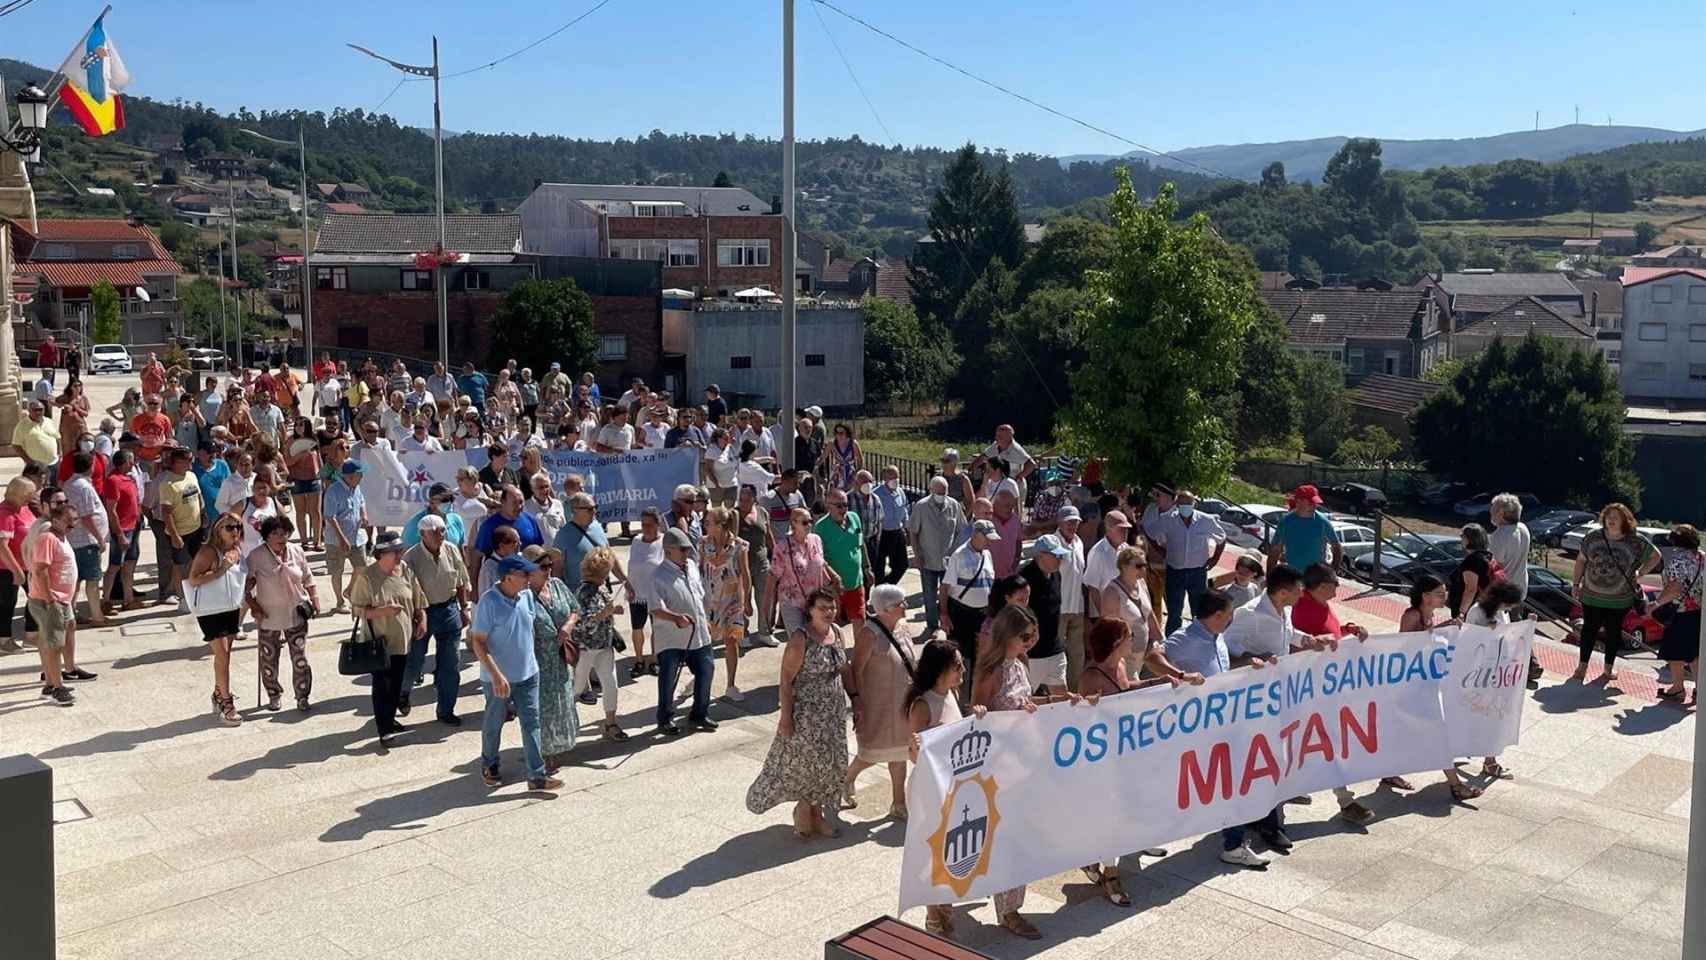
{"points": [[86, 446], [865, 489], [1186, 510], [939, 499]]}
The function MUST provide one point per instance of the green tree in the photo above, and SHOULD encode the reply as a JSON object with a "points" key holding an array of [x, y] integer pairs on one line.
{"points": [[104, 300], [1268, 404], [722, 179], [1369, 447], [1034, 352], [173, 235], [200, 308], [1443, 371], [902, 363], [1162, 340], [1355, 170], [974, 222], [1323, 411], [252, 270], [1273, 176], [1524, 260], [1645, 233], [544, 320], [1535, 395]]}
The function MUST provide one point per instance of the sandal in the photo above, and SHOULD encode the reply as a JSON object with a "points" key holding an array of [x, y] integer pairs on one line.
{"points": [[1668, 694], [897, 811], [939, 921], [1092, 872], [614, 732], [1494, 769], [1462, 792], [1397, 783], [1113, 892], [1020, 927], [848, 800]]}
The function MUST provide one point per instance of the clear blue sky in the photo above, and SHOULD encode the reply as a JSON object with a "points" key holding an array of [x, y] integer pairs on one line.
{"points": [[1168, 75]]}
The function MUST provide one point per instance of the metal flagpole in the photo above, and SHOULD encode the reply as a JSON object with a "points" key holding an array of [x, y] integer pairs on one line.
{"points": [[224, 322], [307, 296], [1694, 891], [790, 315], [438, 175], [236, 291]]}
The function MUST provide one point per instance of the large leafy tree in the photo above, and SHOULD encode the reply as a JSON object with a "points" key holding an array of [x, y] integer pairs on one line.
{"points": [[1534, 417], [903, 364], [974, 222], [1355, 169], [544, 320], [1163, 340]]}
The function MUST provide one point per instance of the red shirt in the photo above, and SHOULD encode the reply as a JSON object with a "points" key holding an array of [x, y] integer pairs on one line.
{"points": [[153, 379], [47, 354], [121, 492], [97, 474], [1313, 617], [15, 525], [154, 429]]}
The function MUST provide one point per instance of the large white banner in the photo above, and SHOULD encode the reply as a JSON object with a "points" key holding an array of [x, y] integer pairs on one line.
{"points": [[395, 484], [1000, 802]]}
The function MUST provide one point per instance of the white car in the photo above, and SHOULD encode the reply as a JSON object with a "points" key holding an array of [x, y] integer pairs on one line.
{"points": [[1571, 542], [109, 356], [1354, 539]]}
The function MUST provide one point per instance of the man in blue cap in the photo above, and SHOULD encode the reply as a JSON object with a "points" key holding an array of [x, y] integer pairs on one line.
{"points": [[502, 638], [345, 511]]}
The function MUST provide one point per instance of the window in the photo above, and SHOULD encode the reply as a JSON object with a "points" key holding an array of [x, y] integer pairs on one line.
{"points": [[1697, 372], [1697, 332], [743, 253], [1661, 294], [331, 278], [1354, 360], [1697, 293], [130, 251], [814, 359], [417, 279], [1391, 362], [641, 249], [740, 363], [613, 346], [55, 251], [476, 280], [1653, 332], [684, 253], [352, 338], [1613, 356], [1650, 370], [664, 209]]}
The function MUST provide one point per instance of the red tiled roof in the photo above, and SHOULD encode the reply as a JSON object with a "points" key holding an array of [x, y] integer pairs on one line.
{"points": [[836, 270], [85, 273], [346, 208], [1634, 275], [892, 282], [118, 231]]}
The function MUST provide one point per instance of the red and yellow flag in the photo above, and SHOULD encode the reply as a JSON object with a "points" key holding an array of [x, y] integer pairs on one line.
{"points": [[94, 75]]}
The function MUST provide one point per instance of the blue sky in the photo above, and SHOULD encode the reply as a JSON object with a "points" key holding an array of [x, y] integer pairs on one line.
{"points": [[1167, 75]]}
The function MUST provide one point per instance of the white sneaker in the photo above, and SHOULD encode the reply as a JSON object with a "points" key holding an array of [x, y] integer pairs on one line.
{"points": [[1243, 856], [733, 693], [765, 640]]}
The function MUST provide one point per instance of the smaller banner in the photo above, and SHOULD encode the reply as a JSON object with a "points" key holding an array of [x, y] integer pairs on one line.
{"points": [[999, 802], [623, 485], [94, 75]]}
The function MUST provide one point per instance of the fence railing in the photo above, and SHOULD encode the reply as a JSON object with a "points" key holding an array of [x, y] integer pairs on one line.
{"points": [[1397, 482]]}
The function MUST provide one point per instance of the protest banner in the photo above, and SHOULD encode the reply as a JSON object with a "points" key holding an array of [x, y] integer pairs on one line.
{"points": [[623, 485], [999, 802]]}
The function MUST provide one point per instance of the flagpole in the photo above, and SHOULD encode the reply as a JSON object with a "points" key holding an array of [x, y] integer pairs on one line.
{"points": [[58, 79]]}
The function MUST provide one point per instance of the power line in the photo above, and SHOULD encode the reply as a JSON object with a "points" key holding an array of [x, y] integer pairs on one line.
{"points": [[1017, 95], [511, 56], [14, 6], [388, 96], [854, 76]]}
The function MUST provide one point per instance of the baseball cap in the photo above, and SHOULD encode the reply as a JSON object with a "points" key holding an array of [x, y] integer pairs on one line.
{"points": [[1049, 543], [987, 528], [1115, 519], [515, 564], [713, 388], [815, 412], [352, 466], [1068, 512], [677, 538], [555, 365], [1307, 492], [950, 454]]}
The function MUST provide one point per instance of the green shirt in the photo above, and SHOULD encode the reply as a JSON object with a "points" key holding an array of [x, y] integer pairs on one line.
{"points": [[843, 548]]}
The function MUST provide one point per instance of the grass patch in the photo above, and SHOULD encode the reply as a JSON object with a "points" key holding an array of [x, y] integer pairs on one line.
{"points": [[921, 448]]}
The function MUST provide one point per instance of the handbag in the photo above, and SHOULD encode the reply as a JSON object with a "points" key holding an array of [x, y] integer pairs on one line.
{"points": [[1666, 612], [222, 594], [362, 654]]}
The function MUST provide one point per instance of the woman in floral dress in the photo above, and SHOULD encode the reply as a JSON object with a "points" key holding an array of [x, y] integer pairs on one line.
{"points": [[595, 634], [559, 727], [728, 588], [807, 762], [1003, 684]]}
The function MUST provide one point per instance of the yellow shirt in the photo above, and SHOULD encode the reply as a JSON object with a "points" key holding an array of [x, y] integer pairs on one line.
{"points": [[373, 588], [38, 441], [356, 393], [182, 497]]}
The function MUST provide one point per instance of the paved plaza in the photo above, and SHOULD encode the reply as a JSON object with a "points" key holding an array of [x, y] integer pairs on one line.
{"points": [[299, 836]]}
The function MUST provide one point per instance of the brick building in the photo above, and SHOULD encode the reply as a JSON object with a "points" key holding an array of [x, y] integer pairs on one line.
{"points": [[371, 297], [714, 241]]}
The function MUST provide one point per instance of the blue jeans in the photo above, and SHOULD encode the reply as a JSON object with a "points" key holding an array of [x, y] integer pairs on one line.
{"points": [[702, 665], [1180, 583], [444, 624], [932, 587], [524, 694], [1232, 838]]}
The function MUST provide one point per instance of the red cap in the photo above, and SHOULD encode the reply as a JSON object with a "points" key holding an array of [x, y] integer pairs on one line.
{"points": [[1307, 492]]}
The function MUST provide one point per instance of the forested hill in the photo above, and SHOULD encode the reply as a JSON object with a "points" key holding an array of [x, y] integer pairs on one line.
{"points": [[866, 194]]}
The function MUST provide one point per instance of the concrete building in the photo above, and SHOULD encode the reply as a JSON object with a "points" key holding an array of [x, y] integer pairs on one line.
{"points": [[1680, 255], [714, 241], [1393, 332], [739, 348], [1664, 335], [1515, 321]]}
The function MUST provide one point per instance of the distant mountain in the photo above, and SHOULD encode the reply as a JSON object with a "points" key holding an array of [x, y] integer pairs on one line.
{"points": [[1307, 159]]}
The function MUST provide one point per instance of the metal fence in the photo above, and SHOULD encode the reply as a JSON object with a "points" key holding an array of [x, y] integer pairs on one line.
{"points": [[1397, 482]]}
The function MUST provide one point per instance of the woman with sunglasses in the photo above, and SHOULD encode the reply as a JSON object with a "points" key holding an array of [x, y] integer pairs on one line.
{"points": [[216, 598], [842, 458], [302, 465], [797, 568]]}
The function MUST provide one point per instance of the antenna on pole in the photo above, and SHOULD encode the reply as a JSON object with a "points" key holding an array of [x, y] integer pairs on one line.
{"points": [[1578, 113], [1537, 121]]}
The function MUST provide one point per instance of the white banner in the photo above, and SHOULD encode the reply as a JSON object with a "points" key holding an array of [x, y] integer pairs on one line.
{"points": [[395, 484], [1000, 802]]}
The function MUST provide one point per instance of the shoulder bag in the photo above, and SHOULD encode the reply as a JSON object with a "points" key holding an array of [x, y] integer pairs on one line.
{"points": [[1666, 612], [363, 652]]}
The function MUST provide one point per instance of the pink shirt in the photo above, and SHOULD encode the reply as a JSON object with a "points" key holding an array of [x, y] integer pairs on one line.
{"points": [[60, 583], [1005, 552], [799, 569], [15, 523]]}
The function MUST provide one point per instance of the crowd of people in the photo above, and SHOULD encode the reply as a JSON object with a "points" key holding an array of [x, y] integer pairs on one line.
{"points": [[252, 485]]}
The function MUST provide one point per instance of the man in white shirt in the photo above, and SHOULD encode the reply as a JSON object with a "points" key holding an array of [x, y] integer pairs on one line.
{"points": [[965, 590], [720, 468], [764, 443], [394, 418], [1101, 564], [1193, 544], [637, 391], [547, 510], [471, 506], [616, 436], [1072, 623], [418, 396], [420, 441], [655, 427]]}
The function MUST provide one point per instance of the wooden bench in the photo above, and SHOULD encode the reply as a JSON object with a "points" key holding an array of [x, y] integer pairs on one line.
{"points": [[886, 938]]}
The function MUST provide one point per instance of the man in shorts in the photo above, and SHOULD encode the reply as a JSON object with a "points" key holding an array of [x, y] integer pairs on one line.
{"points": [[345, 511], [88, 535], [53, 587], [180, 509], [844, 551]]}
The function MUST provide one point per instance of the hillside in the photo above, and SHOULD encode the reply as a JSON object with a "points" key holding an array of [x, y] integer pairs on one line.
{"points": [[1307, 159]]}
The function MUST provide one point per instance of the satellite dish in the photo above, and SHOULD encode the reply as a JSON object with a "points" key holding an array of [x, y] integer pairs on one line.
{"points": [[142, 294]]}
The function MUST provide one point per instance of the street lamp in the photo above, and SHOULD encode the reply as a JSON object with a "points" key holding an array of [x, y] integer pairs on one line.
{"points": [[32, 120], [438, 181], [307, 295]]}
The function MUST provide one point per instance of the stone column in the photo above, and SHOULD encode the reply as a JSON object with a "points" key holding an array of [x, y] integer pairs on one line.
{"points": [[18, 201]]}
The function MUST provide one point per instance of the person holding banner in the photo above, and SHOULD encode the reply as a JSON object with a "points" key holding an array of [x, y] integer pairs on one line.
{"points": [[882, 663], [1126, 599], [932, 700], [1003, 683], [807, 762], [1428, 596]]}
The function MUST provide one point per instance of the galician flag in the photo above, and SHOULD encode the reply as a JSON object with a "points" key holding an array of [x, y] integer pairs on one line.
{"points": [[94, 76]]}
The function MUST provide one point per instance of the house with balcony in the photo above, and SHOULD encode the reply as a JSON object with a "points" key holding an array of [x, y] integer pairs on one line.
{"points": [[67, 258], [713, 241]]}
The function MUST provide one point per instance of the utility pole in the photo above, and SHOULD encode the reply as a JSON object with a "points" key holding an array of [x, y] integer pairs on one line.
{"points": [[790, 315], [1694, 890], [307, 277], [237, 291], [438, 176]]}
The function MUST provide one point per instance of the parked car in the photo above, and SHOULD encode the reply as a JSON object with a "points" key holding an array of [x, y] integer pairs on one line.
{"points": [[109, 356], [205, 358], [1406, 555], [1638, 629], [1358, 499], [1551, 594], [1479, 507], [1355, 540], [1571, 542], [1441, 494], [1549, 527]]}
